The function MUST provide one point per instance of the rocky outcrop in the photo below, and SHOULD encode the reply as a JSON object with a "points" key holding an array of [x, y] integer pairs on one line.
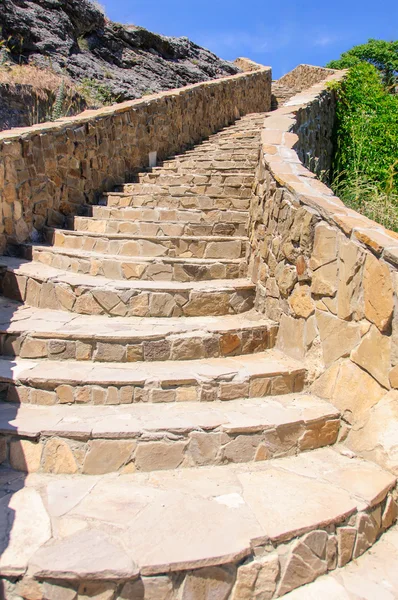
{"points": [[75, 38]]}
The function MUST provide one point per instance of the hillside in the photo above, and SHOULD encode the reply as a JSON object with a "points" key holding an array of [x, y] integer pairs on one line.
{"points": [[75, 38]]}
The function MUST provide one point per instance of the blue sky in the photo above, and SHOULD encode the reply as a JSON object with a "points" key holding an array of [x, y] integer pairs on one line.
{"points": [[279, 34]]}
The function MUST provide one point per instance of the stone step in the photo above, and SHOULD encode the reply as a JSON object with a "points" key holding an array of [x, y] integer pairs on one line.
{"points": [[164, 178], [236, 185], [240, 156], [94, 440], [158, 215], [270, 526], [132, 268], [39, 333], [45, 287], [43, 381], [132, 245], [207, 165], [151, 196], [156, 228]]}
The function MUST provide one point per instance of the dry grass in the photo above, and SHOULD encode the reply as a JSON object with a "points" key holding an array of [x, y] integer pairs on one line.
{"points": [[41, 80]]}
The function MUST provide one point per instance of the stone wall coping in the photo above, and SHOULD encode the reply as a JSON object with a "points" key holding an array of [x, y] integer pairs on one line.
{"points": [[116, 109], [278, 143]]}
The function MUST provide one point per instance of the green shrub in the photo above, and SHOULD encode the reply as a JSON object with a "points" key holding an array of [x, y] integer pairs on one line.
{"points": [[365, 168], [381, 54], [97, 94], [59, 108]]}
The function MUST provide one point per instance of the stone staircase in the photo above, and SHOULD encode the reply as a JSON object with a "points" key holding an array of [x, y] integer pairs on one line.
{"points": [[172, 450]]}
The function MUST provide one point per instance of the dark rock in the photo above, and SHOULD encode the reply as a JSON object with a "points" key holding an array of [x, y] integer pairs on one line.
{"points": [[74, 37]]}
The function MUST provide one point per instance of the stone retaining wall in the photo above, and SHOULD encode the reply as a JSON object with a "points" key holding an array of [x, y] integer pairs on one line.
{"points": [[23, 105], [48, 171], [328, 275]]}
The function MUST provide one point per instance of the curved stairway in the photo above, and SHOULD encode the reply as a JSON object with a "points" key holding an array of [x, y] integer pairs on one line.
{"points": [[172, 450]]}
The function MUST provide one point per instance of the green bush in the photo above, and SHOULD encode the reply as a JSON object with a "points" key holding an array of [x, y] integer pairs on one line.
{"points": [[365, 169], [381, 54], [96, 93]]}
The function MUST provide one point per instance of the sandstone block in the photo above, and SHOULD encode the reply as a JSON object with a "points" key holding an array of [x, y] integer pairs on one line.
{"points": [[154, 456], [148, 588], [33, 348], [338, 337], [301, 302], [368, 526], [25, 455], [325, 246], [229, 342], [204, 448], [377, 439], [378, 292], [58, 457], [256, 580], [390, 513], [306, 562], [107, 456], [374, 355], [242, 448], [210, 582], [324, 280], [291, 337], [346, 537], [65, 394], [349, 297], [53, 591], [286, 278]]}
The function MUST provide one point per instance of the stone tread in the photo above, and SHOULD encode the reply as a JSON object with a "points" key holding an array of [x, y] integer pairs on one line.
{"points": [[138, 259], [154, 238], [134, 421], [46, 273], [204, 516], [236, 368], [156, 214], [17, 318]]}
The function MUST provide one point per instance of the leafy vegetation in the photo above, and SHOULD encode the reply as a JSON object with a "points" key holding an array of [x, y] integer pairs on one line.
{"points": [[59, 104], [97, 94], [365, 168], [381, 54]]}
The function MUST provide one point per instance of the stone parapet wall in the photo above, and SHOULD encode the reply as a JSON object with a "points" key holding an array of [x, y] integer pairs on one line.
{"points": [[48, 171], [247, 65], [304, 76], [328, 275]]}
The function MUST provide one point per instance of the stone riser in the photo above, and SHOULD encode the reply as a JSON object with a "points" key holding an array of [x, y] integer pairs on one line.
{"points": [[53, 392], [159, 215], [213, 248], [88, 224], [153, 451], [125, 349], [268, 572], [176, 188], [84, 299], [125, 268], [190, 201]]}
